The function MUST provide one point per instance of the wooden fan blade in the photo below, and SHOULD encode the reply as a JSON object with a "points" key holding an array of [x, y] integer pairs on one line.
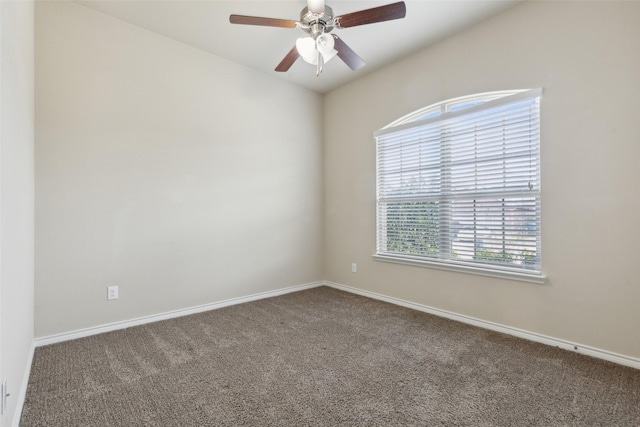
{"points": [[345, 53], [370, 16], [288, 60], [266, 22]]}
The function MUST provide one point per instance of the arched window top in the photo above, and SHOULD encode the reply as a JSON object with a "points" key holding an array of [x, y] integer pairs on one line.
{"points": [[458, 186], [450, 105]]}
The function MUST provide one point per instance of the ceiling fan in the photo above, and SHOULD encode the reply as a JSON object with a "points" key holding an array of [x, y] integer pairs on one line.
{"points": [[318, 20]]}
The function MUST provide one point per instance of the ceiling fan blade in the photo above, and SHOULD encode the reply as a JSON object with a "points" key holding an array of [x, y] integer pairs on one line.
{"points": [[266, 22], [288, 60], [370, 16], [345, 53]]}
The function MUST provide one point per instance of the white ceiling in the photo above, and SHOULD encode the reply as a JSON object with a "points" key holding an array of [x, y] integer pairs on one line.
{"points": [[204, 24]]}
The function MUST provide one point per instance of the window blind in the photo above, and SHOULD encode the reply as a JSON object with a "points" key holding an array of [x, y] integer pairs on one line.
{"points": [[464, 187]]}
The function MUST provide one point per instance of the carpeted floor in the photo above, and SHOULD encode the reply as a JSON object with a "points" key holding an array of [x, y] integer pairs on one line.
{"points": [[322, 357]]}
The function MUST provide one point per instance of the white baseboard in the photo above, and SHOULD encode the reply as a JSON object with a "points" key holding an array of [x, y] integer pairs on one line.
{"points": [[81, 333], [531, 336], [23, 389]]}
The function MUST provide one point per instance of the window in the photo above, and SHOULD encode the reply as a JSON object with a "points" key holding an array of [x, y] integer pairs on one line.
{"points": [[458, 186]]}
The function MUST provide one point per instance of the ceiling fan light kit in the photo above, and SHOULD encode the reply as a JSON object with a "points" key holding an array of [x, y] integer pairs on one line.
{"points": [[308, 48], [318, 21]]}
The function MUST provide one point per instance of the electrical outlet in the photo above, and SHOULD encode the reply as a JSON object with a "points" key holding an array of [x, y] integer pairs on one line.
{"points": [[354, 267], [112, 292]]}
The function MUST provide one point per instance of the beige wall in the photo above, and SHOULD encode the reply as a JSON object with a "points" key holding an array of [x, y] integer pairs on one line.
{"points": [[176, 175], [16, 198], [181, 177], [586, 57]]}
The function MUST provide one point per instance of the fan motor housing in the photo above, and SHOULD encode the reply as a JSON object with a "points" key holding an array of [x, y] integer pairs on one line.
{"points": [[317, 23]]}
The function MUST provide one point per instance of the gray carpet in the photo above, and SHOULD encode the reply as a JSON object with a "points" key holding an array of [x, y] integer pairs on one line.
{"points": [[322, 357]]}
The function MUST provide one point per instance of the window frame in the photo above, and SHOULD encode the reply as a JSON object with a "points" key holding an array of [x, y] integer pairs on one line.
{"points": [[442, 112]]}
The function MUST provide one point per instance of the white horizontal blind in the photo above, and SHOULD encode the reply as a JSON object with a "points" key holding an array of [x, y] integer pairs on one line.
{"points": [[463, 187]]}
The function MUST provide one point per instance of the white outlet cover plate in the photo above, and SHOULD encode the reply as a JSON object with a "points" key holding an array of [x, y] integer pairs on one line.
{"points": [[112, 292]]}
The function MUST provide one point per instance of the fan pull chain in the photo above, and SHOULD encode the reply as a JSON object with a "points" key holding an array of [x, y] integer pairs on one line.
{"points": [[320, 64]]}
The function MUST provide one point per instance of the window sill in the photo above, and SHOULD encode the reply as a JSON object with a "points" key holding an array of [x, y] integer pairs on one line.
{"points": [[501, 274]]}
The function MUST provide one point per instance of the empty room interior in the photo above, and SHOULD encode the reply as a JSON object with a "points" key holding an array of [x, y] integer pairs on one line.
{"points": [[429, 219]]}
